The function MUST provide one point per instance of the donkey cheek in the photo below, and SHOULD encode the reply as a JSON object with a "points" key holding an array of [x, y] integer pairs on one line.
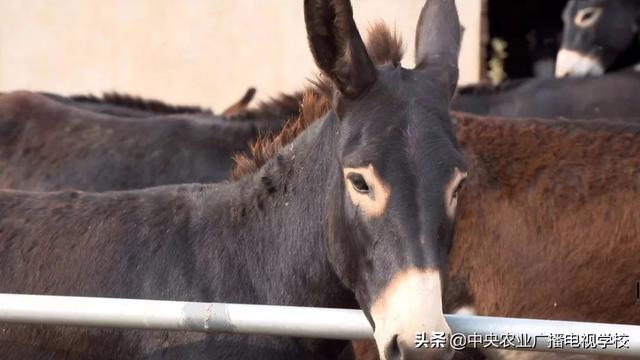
{"points": [[368, 206]]}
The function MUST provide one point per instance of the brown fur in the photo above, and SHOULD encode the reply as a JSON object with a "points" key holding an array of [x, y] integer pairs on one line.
{"points": [[543, 151], [312, 107], [383, 46], [557, 203]]}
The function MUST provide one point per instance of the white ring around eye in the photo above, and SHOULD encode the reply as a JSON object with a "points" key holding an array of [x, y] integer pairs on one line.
{"points": [[587, 17], [374, 202]]}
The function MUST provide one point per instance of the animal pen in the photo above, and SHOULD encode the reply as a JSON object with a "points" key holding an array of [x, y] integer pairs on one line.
{"points": [[499, 51], [293, 321]]}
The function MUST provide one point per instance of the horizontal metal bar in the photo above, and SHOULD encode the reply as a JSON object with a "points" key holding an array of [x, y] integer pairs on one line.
{"points": [[292, 321], [189, 316]]}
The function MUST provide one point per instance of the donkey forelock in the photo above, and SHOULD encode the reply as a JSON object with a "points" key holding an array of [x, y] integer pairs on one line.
{"points": [[384, 45]]}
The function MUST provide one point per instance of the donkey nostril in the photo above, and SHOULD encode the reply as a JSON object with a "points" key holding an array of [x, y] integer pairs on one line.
{"points": [[393, 349]]}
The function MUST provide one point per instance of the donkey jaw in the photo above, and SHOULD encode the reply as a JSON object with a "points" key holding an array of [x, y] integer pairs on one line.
{"points": [[410, 304], [575, 64]]}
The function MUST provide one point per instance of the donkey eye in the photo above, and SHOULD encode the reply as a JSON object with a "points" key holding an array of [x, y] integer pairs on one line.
{"points": [[588, 16], [358, 183]]}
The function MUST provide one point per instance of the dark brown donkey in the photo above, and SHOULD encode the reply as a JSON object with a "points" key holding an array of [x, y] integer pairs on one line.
{"points": [[357, 211], [548, 225], [46, 145], [614, 95], [599, 36]]}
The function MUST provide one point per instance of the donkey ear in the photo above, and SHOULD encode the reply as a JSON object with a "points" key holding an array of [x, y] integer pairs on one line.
{"points": [[438, 35], [337, 47]]}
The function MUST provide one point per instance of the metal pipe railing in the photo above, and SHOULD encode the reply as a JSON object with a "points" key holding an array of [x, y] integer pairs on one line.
{"points": [[347, 324]]}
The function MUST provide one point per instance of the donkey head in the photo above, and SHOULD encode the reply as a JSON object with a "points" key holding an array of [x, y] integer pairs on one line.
{"points": [[596, 33], [390, 218]]}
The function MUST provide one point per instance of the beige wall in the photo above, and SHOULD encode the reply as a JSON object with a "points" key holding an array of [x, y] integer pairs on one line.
{"points": [[204, 52]]}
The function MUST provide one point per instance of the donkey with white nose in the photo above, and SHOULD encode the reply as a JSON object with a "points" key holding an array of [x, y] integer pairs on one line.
{"points": [[391, 231]]}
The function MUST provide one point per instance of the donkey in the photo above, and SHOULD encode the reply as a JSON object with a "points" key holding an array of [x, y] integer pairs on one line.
{"points": [[614, 95], [548, 224], [357, 211], [599, 36], [45, 145]]}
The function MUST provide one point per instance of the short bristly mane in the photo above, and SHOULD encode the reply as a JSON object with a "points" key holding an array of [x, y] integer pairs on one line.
{"points": [[140, 103], [383, 46], [283, 105], [312, 106]]}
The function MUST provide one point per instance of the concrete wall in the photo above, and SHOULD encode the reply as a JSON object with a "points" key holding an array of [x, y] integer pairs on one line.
{"points": [[204, 52]]}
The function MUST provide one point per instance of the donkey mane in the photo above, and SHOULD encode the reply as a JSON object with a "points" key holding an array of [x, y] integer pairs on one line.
{"points": [[311, 107], [283, 105], [140, 103], [383, 46]]}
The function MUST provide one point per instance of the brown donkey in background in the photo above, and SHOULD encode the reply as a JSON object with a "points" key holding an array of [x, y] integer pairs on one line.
{"points": [[549, 225], [357, 211]]}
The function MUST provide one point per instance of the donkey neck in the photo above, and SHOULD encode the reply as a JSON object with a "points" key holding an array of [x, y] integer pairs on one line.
{"points": [[272, 223]]}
